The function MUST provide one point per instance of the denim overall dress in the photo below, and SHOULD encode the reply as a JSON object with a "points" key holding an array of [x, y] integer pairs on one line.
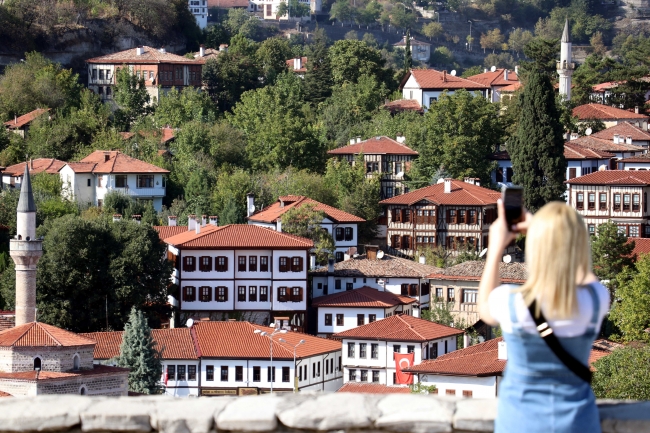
{"points": [[539, 393]]}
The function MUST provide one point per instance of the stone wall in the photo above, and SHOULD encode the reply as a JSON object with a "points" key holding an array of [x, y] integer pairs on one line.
{"points": [[52, 358], [271, 413], [115, 384]]}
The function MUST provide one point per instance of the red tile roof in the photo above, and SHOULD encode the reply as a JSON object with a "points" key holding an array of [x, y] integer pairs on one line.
{"points": [[54, 375], [573, 152], [82, 167], [473, 270], [512, 87], [623, 129], [270, 214], [363, 297], [375, 146], [400, 328], [591, 142], [373, 388], [39, 165], [238, 236], [114, 161], [637, 158], [25, 119], [176, 343], [403, 105], [150, 55], [36, 334], [430, 79], [462, 193], [613, 177], [238, 340], [303, 64], [604, 112], [606, 86], [641, 246], [386, 267], [165, 232], [496, 78]]}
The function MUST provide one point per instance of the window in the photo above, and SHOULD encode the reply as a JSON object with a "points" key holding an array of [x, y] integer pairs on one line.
{"points": [[264, 264], [374, 351], [626, 202], [252, 294], [224, 373], [451, 216], [180, 372], [372, 318], [404, 290], [580, 200], [433, 351], [349, 286], [145, 181], [191, 372], [372, 167], [592, 229], [348, 234], [296, 264], [364, 375], [410, 349], [339, 320], [296, 294], [617, 202], [451, 294], [171, 371], [337, 284], [406, 215], [636, 202], [633, 231], [469, 296], [257, 376], [209, 372], [339, 256], [353, 375], [189, 264], [602, 201], [396, 349], [241, 293], [467, 394], [375, 376], [222, 294], [453, 391], [350, 350], [472, 217], [413, 290], [205, 294], [284, 264], [286, 373], [94, 74], [75, 362], [283, 295], [591, 200], [339, 233], [389, 191], [362, 350], [241, 263], [239, 373], [205, 264], [328, 320], [252, 264], [439, 293], [120, 181], [270, 374], [221, 264], [189, 294], [572, 173], [88, 182], [461, 217]]}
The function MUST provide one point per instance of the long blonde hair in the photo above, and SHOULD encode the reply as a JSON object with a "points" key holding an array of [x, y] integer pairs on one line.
{"points": [[558, 256]]}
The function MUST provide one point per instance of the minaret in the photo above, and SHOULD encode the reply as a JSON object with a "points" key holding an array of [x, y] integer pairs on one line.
{"points": [[564, 66], [26, 250]]}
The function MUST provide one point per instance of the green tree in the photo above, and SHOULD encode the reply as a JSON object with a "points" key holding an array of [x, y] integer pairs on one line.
{"points": [[543, 54], [623, 374], [227, 79], [402, 17], [611, 253], [272, 56], [631, 309], [433, 30], [341, 11], [138, 354], [305, 221], [537, 151], [352, 59], [518, 39], [318, 79], [178, 107], [293, 9], [493, 40], [131, 97], [408, 58]]}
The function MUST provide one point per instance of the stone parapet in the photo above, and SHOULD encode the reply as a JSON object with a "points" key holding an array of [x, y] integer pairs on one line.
{"points": [[289, 412]]}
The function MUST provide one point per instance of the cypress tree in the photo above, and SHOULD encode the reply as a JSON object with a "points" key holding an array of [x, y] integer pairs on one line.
{"points": [[137, 353], [408, 57], [318, 78], [537, 150]]}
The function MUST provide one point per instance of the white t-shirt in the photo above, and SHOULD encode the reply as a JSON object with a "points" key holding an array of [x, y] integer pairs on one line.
{"points": [[573, 327]]}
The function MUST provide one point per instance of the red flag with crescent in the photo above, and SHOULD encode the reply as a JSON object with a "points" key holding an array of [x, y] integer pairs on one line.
{"points": [[403, 361]]}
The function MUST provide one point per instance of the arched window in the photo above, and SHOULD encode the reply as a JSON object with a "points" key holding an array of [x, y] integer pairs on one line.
{"points": [[37, 363], [75, 362], [82, 391]]}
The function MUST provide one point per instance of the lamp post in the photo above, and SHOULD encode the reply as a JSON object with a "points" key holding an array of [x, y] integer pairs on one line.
{"points": [[470, 34], [295, 374], [270, 337]]}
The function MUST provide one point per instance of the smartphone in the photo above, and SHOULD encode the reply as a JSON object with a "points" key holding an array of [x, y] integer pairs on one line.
{"points": [[513, 200]]}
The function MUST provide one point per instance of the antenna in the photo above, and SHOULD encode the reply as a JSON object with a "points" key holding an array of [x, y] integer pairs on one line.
{"points": [[453, 72], [189, 323], [483, 252], [588, 131], [493, 68], [380, 254]]}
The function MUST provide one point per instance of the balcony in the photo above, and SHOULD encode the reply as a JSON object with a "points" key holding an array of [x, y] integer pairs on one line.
{"points": [[141, 192]]}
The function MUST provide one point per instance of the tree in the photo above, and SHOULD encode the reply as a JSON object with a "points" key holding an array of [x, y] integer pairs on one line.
{"points": [[623, 374], [401, 17], [518, 39], [537, 151], [493, 40], [131, 96], [352, 59], [293, 8], [138, 354], [543, 54], [318, 79], [433, 30], [611, 253], [305, 221], [341, 11], [272, 56], [631, 309], [178, 107], [227, 79], [597, 44], [408, 57]]}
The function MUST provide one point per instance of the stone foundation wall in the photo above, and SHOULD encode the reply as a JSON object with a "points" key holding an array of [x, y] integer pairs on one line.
{"points": [[18, 388], [114, 384], [52, 358], [343, 412]]}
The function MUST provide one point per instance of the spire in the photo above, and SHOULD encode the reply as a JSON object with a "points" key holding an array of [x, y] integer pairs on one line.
{"points": [[565, 33], [26, 200]]}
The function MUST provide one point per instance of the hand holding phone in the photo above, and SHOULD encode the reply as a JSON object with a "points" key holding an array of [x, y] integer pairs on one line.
{"points": [[513, 201]]}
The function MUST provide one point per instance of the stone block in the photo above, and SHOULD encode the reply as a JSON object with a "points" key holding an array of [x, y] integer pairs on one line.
{"points": [[475, 415], [414, 413], [249, 413], [43, 413], [332, 412], [187, 415], [120, 414], [618, 416]]}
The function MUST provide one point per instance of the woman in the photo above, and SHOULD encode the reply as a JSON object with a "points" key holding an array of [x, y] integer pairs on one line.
{"points": [[539, 393]]}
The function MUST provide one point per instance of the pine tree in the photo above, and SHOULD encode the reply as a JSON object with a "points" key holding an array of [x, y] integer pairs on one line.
{"points": [[318, 79], [408, 57], [611, 253], [138, 354], [537, 151]]}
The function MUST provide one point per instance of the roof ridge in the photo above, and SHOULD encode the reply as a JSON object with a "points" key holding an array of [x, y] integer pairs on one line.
{"points": [[49, 333], [411, 327], [469, 192]]}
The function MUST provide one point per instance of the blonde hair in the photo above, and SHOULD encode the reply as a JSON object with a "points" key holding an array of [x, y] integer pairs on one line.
{"points": [[558, 256]]}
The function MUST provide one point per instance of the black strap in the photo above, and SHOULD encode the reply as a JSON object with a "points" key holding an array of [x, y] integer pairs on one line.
{"points": [[547, 334]]}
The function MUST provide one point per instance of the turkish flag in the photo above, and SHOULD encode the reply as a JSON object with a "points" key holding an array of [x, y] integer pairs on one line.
{"points": [[404, 361]]}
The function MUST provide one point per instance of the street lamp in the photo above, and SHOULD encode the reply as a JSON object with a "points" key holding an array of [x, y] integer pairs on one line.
{"points": [[470, 34], [270, 337], [295, 374]]}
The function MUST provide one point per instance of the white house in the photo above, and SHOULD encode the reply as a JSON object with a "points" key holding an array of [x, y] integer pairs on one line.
{"points": [[12, 176], [199, 9], [426, 85], [420, 50], [378, 271], [236, 360], [368, 349], [269, 9], [639, 162], [239, 270], [342, 226], [102, 172], [348, 309], [626, 132]]}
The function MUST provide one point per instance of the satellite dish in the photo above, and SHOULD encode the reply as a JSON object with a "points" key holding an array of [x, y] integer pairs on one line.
{"points": [[507, 258], [189, 323], [483, 252], [493, 68], [380, 254], [588, 131], [453, 72], [251, 209]]}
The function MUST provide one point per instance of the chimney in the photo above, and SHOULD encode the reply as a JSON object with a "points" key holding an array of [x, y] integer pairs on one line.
{"points": [[204, 220], [117, 217], [214, 220], [171, 221], [517, 71], [312, 262], [505, 74], [636, 109], [136, 218], [628, 139], [422, 260], [191, 222], [330, 265], [297, 63], [31, 164], [202, 51], [163, 50], [485, 70], [447, 186], [358, 139], [279, 226], [444, 76], [197, 227], [107, 156], [400, 138], [616, 138], [502, 352], [352, 141], [371, 252], [250, 204], [15, 119], [473, 180], [465, 340], [139, 51]]}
